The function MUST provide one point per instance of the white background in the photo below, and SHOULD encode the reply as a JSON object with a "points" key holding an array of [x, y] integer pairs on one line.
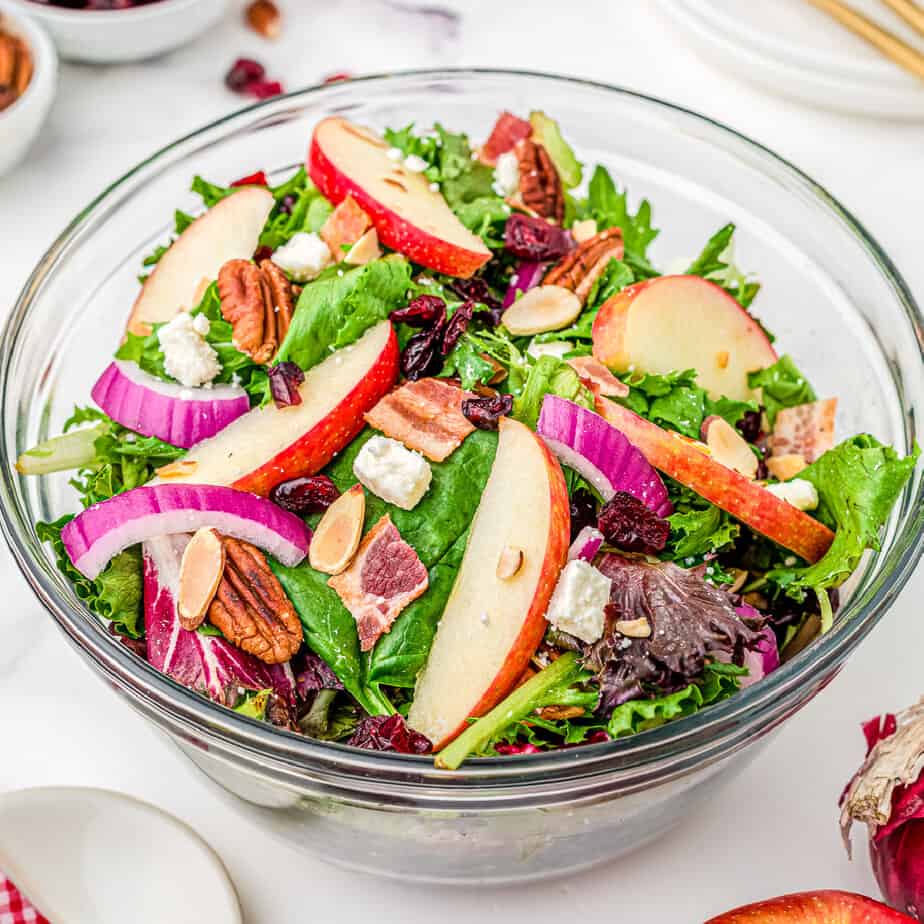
{"points": [[775, 829]]}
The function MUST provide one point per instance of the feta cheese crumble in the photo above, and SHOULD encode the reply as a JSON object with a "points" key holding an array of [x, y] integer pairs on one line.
{"points": [[395, 154], [393, 472], [303, 257], [507, 175], [187, 356], [556, 348], [798, 493], [415, 164], [577, 602]]}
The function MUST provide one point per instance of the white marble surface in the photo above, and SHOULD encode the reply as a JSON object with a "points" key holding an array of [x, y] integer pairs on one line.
{"points": [[776, 830]]}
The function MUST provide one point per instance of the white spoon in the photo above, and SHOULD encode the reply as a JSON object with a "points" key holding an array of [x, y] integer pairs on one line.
{"points": [[90, 856]]}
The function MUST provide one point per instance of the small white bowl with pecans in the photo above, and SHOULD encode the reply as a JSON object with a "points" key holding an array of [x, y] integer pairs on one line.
{"points": [[114, 31], [28, 77]]}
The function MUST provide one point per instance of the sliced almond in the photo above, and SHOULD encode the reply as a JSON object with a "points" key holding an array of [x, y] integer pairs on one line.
{"points": [[337, 536], [557, 713], [583, 230], [510, 562], [542, 309], [365, 250], [201, 568], [634, 628], [729, 447], [786, 466], [179, 469]]}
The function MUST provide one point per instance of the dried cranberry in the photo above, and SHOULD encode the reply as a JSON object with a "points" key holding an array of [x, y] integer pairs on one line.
{"points": [[312, 494], [475, 289], [456, 326], [762, 472], [254, 179], [421, 355], [534, 239], [262, 253], [749, 425], [630, 524], [583, 511], [389, 733], [484, 413], [314, 674], [284, 379], [264, 89], [423, 311], [513, 749], [244, 72]]}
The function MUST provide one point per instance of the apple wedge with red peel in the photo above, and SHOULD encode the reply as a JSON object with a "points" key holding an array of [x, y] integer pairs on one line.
{"points": [[491, 626], [823, 907], [683, 322], [270, 444], [688, 462], [230, 230], [347, 160]]}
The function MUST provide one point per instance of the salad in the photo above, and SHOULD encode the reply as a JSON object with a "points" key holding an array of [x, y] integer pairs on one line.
{"points": [[418, 451]]}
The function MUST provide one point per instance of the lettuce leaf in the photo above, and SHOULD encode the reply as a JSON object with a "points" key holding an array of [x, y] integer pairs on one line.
{"points": [[116, 594], [716, 263], [336, 310], [549, 376], [783, 386], [858, 482]]}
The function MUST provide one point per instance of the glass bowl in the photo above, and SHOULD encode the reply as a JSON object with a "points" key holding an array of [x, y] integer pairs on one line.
{"points": [[832, 297]]}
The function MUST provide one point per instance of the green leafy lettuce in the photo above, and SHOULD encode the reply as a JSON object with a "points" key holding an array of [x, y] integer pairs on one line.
{"points": [[698, 527], [716, 263], [437, 528], [116, 594], [858, 482], [338, 307], [783, 385], [549, 376]]}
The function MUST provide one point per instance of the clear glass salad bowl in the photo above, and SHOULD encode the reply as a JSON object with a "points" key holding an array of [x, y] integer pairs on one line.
{"points": [[831, 296]]}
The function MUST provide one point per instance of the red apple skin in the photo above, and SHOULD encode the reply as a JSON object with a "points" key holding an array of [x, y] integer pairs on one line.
{"points": [[683, 461], [822, 907], [314, 449], [534, 625], [393, 230]]}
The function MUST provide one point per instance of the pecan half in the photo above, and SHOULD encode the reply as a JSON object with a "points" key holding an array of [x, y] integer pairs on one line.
{"points": [[257, 301], [540, 184], [264, 18], [252, 609], [580, 269], [15, 67]]}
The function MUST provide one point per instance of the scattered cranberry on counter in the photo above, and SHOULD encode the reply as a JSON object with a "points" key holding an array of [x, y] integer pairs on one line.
{"points": [[97, 5], [248, 77]]}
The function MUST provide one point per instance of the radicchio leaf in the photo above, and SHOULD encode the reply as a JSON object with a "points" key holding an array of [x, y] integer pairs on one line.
{"points": [[389, 733], [689, 621]]}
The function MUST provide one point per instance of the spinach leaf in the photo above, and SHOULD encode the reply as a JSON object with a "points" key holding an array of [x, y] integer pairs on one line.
{"points": [[858, 482], [468, 364], [336, 310], [116, 594], [549, 376], [783, 385]]}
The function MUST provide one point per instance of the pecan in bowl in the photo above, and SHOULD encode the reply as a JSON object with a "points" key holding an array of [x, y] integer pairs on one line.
{"points": [[580, 269], [15, 67], [540, 185]]}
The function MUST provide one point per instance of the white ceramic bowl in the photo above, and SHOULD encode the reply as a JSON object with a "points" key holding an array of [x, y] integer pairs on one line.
{"points": [[107, 37], [20, 123]]}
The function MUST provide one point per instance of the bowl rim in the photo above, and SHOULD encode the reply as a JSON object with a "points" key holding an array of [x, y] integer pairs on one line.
{"points": [[135, 14], [158, 695], [43, 52]]}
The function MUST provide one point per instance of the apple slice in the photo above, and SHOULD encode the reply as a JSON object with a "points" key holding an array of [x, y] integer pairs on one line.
{"points": [[688, 462], [492, 624], [269, 444], [348, 160], [230, 230], [824, 907], [683, 322]]}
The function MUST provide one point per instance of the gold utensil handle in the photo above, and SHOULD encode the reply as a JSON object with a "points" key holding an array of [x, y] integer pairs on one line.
{"points": [[909, 11], [886, 42]]}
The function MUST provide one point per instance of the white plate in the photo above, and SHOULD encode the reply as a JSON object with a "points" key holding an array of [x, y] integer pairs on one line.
{"points": [[90, 856], [789, 47]]}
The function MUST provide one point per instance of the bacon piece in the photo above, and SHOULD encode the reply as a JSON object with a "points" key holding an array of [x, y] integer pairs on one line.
{"points": [[345, 225], [594, 372], [507, 131], [806, 429], [385, 576], [425, 415]]}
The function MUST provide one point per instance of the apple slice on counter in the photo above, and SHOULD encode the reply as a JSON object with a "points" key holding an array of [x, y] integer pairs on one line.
{"points": [[495, 619], [230, 230], [408, 216], [689, 462], [269, 444], [823, 907], [683, 322]]}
